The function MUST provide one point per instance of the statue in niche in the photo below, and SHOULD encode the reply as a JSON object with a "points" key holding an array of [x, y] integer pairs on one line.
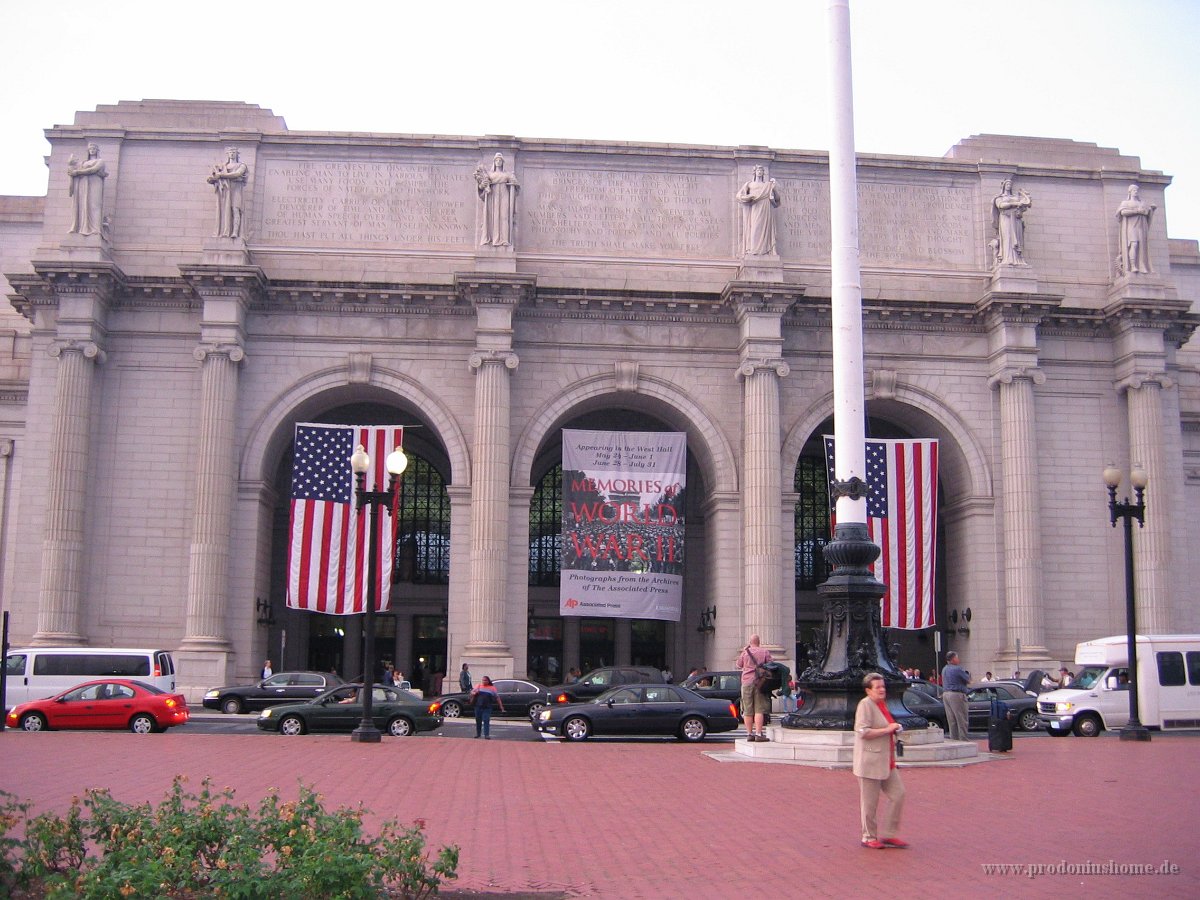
{"points": [[498, 203], [228, 180], [87, 192], [759, 199], [1134, 216], [1008, 212]]}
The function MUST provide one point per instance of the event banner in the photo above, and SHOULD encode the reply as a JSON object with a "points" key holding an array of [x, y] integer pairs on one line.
{"points": [[623, 518]]}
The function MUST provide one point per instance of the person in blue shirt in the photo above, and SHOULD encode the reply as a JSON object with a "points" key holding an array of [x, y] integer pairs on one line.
{"points": [[954, 696]]}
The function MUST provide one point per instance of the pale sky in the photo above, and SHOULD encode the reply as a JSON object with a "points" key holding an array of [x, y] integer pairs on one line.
{"points": [[927, 73]]}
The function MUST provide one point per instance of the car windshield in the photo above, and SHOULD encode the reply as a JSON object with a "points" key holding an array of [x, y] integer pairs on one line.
{"points": [[1088, 677]]}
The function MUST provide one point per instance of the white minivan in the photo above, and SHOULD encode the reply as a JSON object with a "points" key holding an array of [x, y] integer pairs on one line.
{"points": [[38, 672], [1168, 679]]}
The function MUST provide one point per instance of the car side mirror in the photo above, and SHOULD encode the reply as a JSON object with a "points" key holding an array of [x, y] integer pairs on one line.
{"points": [[1110, 683], [609, 703]]}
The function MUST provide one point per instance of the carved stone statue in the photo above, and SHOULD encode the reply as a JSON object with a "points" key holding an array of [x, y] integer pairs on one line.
{"points": [[1134, 216], [87, 190], [759, 199], [1008, 211], [228, 180], [498, 203]]}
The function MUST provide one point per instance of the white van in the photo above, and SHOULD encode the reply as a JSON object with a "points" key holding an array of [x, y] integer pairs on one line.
{"points": [[38, 672], [1168, 678]]}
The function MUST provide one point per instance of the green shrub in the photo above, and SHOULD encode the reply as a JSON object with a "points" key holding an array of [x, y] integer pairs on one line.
{"points": [[206, 845]]}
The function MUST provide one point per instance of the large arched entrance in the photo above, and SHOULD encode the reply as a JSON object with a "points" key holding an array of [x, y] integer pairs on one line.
{"points": [[412, 634], [560, 643]]}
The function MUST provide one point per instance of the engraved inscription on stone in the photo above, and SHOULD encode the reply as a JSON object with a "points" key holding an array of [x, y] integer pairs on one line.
{"points": [[899, 224], [309, 202], [644, 214]]}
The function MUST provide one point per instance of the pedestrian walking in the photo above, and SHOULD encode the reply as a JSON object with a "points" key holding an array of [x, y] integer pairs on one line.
{"points": [[484, 698], [955, 680], [875, 734], [464, 678], [756, 699], [267, 670]]}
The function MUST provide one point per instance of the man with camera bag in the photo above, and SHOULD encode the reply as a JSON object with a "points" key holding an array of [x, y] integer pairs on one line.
{"points": [[756, 697]]}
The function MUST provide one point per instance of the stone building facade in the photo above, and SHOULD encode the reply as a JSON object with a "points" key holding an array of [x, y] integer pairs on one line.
{"points": [[488, 292]]}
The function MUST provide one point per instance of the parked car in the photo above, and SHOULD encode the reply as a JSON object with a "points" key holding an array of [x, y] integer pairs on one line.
{"points": [[103, 703], [727, 685], [921, 703], [520, 698], [597, 681], [654, 709], [282, 687], [394, 711], [1022, 708]]}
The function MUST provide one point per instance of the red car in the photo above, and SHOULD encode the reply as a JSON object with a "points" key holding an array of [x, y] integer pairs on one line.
{"points": [[103, 703]]}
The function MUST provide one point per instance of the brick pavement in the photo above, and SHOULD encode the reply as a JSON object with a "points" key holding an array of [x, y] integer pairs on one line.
{"points": [[650, 820]]}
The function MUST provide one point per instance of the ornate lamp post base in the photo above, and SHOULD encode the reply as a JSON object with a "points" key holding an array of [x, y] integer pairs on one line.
{"points": [[851, 644], [361, 735]]}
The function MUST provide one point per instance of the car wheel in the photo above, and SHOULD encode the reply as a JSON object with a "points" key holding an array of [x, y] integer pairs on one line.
{"points": [[143, 724], [291, 725], [231, 706], [34, 722], [451, 709], [534, 709], [693, 729], [400, 727], [1029, 720], [576, 728], [1087, 726]]}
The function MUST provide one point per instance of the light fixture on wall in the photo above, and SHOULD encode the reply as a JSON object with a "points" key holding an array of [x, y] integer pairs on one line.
{"points": [[956, 618], [707, 618], [266, 615]]}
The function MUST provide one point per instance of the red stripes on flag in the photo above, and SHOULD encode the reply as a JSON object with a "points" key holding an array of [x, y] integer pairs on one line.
{"points": [[902, 520], [329, 542]]}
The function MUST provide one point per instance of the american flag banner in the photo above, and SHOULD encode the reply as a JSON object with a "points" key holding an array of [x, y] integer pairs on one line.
{"points": [[902, 519], [328, 550]]}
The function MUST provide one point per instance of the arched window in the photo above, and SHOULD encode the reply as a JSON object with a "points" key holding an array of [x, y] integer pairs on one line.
{"points": [[423, 531], [545, 530], [812, 522]]}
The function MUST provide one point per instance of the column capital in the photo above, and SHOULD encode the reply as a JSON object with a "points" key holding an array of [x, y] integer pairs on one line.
{"points": [[89, 349], [234, 352], [480, 358], [1138, 380], [1009, 374], [749, 367]]}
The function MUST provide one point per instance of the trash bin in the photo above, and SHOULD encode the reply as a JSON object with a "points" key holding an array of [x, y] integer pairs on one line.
{"points": [[1000, 728]]}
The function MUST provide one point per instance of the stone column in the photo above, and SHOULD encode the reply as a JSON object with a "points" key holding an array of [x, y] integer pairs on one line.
{"points": [[761, 497], [59, 609], [81, 293], [1151, 544], [489, 504], [206, 653], [1149, 324], [208, 563], [1012, 317], [759, 307], [1022, 512], [495, 298]]}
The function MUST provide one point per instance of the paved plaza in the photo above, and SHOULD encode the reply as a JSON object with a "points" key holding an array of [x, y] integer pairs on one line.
{"points": [[650, 819]]}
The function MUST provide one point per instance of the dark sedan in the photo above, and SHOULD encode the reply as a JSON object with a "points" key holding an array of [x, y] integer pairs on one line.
{"points": [[921, 703], [393, 711], [1022, 709], [597, 681], [283, 687], [653, 709], [520, 698]]}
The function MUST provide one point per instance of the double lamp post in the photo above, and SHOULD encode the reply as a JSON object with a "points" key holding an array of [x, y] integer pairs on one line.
{"points": [[360, 464], [1127, 512]]}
